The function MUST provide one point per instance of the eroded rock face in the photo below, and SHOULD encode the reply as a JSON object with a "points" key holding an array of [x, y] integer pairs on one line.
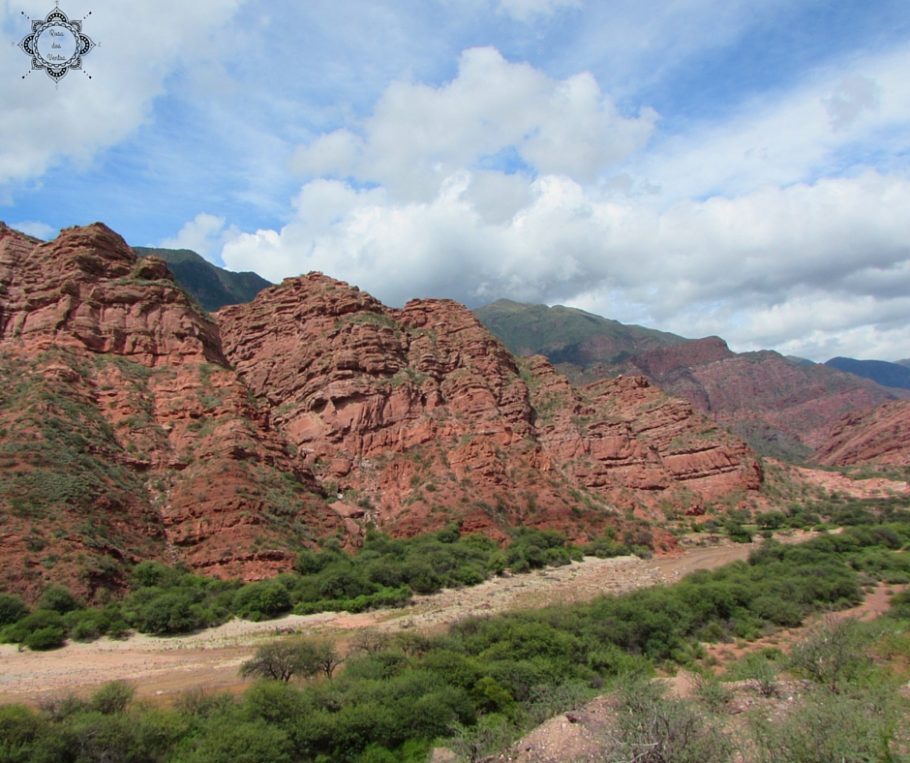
{"points": [[87, 288], [879, 436], [133, 425], [124, 435], [624, 434], [425, 418]]}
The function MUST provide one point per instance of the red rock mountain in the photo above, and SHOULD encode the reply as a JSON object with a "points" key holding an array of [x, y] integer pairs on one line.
{"points": [[781, 406], [759, 394], [880, 436], [134, 425]]}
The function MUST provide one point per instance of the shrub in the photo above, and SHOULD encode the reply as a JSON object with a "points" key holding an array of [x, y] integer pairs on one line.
{"points": [[653, 729], [113, 697], [261, 601], [147, 574], [20, 728], [167, 613], [49, 625], [230, 739], [759, 668], [43, 639], [86, 624], [58, 599], [832, 655], [829, 727], [12, 609]]}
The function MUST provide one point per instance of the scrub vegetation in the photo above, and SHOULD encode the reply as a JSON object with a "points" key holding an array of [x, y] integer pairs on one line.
{"points": [[480, 685]]}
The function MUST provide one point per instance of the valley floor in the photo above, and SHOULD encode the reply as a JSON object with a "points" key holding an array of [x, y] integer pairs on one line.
{"points": [[210, 659]]}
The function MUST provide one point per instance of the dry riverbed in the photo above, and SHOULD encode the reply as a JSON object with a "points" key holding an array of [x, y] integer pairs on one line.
{"points": [[163, 667]]}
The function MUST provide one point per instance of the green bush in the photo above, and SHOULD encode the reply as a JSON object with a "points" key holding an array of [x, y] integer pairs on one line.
{"points": [[830, 727], [59, 599], [653, 729], [12, 609], [43, 639], [20, 730], [224, 738], [44, 628], [113, 697], [262, 600], [87, 624], [166, 613], [832, 655], [149, 574]]}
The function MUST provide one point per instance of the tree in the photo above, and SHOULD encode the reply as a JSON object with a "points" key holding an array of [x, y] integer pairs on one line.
{"points": [[325, 657], [368, 641], [282, 660]]}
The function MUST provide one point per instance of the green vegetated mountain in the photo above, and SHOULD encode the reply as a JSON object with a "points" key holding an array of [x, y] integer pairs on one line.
{"points": [[568, 336], [880, 371], [783, 407], [212, 287]]}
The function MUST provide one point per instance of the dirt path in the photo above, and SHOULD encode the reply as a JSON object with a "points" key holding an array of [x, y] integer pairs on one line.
{"points": [[874, 605], [162, 667]]}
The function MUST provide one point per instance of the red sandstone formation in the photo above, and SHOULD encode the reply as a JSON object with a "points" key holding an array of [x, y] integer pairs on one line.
{"points": [[759, 388], [134, 425], [123, 432], [880, 436], [425, 418]]}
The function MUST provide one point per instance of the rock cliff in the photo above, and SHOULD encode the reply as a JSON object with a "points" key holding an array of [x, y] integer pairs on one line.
{"points": [[134, 425], [780, 406], [880, 436], [123, 432]]}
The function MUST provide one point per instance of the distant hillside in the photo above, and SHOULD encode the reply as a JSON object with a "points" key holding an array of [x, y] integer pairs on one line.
{"points": [[782, 407], [880, 371], [211, 286], [880, 436], [568, 336]]}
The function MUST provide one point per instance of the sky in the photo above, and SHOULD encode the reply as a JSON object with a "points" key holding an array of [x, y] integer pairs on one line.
{"points": [[737, 168]]}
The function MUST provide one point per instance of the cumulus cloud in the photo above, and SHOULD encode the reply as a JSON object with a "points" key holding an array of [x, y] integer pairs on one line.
{"points": [[740, 267], [506, 182], [494, 114], [205, 234], [41, 125]]}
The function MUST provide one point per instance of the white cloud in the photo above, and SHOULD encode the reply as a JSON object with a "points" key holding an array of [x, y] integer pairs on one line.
{"points": [[35, 228], [766, 229], [139, 46], [205, 234], [740, 267], [818, 128], [493, 112]]}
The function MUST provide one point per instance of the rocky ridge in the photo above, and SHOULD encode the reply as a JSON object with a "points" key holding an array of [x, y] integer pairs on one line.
{"points": [[420, 416], [134, 425], [124, 435], [880, 436], [782, 407]]}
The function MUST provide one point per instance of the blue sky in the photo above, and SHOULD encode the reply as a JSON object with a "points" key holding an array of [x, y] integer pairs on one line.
{"points": [[723, 167]]}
